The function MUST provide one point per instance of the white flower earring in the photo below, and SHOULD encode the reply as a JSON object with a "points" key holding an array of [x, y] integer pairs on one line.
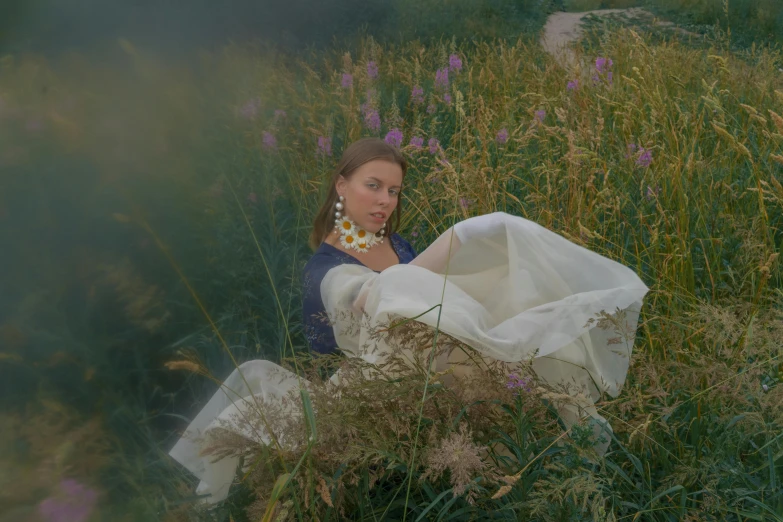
{"points": [[352, 236]]}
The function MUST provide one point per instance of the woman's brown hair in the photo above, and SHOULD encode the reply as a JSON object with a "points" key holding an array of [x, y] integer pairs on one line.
{"points": [[357, 154]]}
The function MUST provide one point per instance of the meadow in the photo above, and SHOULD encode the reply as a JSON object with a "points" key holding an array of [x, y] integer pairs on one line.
{"points": [[155, 217]]}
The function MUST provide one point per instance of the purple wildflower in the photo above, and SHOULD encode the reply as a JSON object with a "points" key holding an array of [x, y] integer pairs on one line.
{"points": [[502, 136], [515, 382], [372, 120], [431, 108], [279, 114], [252, 198], [417, 141], [75, 503], [540, 115], [324, 145], [465, 202], [573, 85], [372, 70], [268, 140], [602, 65], [645, 158], [249, 110], [434, 145], [347, 81], [442, 79], [631, 149], [447, 98], [435, 180], [417, 95], [415, 233], [394, 138], [455, 63]]}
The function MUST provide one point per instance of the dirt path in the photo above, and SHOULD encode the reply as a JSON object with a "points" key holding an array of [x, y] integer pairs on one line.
{"points": [[562, 29]]}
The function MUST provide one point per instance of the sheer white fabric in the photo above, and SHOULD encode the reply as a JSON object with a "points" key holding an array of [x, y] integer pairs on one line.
{"points": [[509, 288]]}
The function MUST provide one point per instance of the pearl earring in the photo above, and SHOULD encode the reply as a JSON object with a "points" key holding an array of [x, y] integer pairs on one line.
{"points": [[339, 206]]}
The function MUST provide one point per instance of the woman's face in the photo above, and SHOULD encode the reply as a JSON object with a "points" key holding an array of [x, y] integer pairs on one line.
{"points": [[371, 193]]}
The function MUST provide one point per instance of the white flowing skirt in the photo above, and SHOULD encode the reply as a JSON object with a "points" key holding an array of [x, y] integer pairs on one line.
{"points": [[515, 292]]}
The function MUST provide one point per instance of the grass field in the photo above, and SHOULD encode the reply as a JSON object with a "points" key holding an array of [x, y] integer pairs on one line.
{"points": [[154, 212]]}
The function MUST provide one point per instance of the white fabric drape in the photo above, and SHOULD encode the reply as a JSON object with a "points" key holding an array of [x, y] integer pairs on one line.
{"points": [[513, 291]]}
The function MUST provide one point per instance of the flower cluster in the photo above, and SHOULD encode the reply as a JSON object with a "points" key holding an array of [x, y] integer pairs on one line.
{"points": [[372, 70], [394, 138], [324, 146], [442, 79], [354, 237], [455, 63], [372, 118], [268, 140], [602, 68], [515, 382], [434, 145], [417, 95], [74, 503], [249, 110], [643, 156]]}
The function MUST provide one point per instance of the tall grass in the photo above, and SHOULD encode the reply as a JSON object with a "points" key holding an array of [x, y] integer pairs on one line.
{"points": [[152, 219], [86, 26], [745, 22]]}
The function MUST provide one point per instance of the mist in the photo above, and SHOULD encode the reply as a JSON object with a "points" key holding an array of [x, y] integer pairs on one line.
{"points": [[180, 27], [160, 165]]}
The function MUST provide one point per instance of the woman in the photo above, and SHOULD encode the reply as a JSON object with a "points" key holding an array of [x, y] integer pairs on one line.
{"points": [[509, 289], [355, 226]]}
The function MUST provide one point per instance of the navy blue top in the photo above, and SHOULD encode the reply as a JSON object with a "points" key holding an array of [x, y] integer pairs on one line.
{"points": [[319, 333]]}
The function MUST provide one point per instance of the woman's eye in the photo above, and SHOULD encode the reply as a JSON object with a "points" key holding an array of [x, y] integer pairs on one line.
{"points": [[372, 185], [395, 192]]}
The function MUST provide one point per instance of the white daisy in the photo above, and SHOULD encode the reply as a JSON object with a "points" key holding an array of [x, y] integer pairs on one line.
{"points": [[346, 226], [362, 235], [348, 241], [361, 245]]}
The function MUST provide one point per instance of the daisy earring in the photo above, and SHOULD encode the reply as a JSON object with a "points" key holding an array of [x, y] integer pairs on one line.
{"points": [[343, 224]]}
